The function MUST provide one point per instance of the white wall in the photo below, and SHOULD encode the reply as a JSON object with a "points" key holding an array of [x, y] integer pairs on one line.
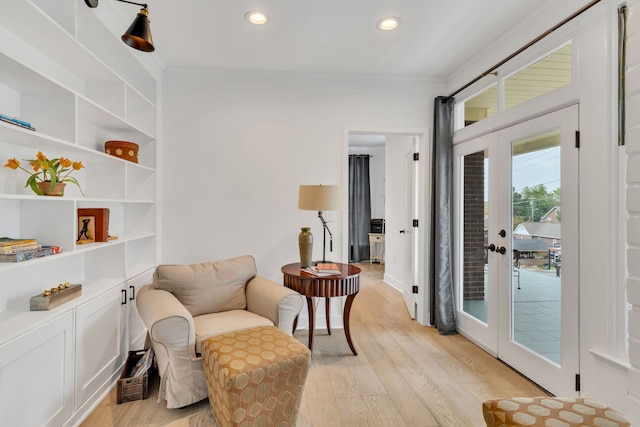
{"points": [[633, 204], [377, 164], [237, 145]]}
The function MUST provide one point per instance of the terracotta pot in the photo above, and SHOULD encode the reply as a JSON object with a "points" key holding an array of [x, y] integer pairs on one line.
{"points": [[57, 190]]}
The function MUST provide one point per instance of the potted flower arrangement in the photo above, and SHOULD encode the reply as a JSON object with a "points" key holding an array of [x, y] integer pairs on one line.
{"points": [[49, 176]]}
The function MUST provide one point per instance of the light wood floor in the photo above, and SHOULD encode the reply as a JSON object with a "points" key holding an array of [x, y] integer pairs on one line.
{"points": [[404, 375]]}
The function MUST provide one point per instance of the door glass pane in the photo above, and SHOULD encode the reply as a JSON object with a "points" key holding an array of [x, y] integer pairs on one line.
{"points": [[551, 72], [537, 244], [475, 219]]}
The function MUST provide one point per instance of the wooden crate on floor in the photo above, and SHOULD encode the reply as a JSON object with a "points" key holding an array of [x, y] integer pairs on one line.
{"points": [[133, 388]]}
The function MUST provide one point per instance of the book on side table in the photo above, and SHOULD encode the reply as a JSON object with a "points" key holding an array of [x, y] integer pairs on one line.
{"points": [[323, 269]]}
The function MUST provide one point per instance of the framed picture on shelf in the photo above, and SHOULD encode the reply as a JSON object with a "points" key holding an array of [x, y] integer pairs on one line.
{"points": [[96, 218]]}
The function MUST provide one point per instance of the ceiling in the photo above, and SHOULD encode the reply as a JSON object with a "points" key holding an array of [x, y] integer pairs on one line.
{"points": [[331, 36]]}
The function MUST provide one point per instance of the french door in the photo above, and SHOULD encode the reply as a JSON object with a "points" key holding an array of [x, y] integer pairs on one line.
{"points": [[517, 242]]}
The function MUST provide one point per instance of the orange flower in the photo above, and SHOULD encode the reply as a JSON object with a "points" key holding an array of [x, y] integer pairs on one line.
{"points": [[12, 163], [35, 165], [41, 157], [65, 162], [77, 165]]}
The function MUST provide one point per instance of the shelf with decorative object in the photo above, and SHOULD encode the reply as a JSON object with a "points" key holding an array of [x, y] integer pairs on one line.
{"points": [[71, 78]]}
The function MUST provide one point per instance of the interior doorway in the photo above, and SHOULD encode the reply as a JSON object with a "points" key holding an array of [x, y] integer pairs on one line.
{"points": [[401, 208]]}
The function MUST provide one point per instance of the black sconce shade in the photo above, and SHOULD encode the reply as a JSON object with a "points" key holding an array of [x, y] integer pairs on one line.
{"points": [[138, 36]]}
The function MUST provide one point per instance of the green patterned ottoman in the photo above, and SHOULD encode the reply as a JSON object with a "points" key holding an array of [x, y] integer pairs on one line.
{"points": [[255, 377]]}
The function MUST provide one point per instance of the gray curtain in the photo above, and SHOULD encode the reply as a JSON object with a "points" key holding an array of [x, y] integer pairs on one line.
{"points": [[359, 207], [622, 66], [442, 291]]}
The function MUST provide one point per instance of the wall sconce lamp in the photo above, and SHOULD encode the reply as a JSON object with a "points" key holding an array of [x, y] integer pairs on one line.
{"points": [[138, 36], [321, 198]]}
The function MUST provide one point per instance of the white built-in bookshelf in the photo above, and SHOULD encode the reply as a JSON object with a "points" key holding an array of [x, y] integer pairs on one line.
{"points": [[65, 72]]}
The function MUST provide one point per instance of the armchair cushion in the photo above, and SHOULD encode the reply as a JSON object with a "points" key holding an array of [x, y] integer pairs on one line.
{"points": [[208, 287], [209, 325]]}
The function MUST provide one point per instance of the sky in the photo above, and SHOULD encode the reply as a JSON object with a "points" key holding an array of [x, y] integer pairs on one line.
{"points": [[533, 168]]}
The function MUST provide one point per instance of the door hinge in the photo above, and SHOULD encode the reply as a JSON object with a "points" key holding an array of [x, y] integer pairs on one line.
{"points": [[414, 289], [416, 157], [577, 139], [415, 223], [577, 382]]}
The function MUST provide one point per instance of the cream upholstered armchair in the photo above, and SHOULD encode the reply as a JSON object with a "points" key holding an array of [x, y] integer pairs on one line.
{"points": [[186, 304]]}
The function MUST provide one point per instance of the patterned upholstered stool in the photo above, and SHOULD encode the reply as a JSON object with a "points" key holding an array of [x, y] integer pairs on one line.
{"points": [[551, 411], [255, 376]]}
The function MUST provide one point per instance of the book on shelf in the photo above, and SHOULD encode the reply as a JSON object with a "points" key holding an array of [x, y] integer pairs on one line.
{"points": [[328, 267], [16, 122], [8, 241], [26, 247], [93, 225], [28, 255]]}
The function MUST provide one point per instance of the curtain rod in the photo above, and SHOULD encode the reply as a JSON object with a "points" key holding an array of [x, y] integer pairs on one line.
{"points": [[527, 46]]}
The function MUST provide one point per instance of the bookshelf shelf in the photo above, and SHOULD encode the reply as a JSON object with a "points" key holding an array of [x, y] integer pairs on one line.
{"points": [[64, 71]]}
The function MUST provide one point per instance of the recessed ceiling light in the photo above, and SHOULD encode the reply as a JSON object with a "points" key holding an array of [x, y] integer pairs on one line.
{"points": [[256, 17], [388, 24]]}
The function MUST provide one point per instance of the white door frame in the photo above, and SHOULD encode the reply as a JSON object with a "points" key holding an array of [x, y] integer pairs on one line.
{"points": [[424, 209]]}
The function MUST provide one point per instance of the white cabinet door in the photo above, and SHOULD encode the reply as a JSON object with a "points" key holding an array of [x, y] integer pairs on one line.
{"points": [[137, 331], [100, 341], [36, 375]]}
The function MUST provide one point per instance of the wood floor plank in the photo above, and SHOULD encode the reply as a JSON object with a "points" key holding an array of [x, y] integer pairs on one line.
{"points": [[405, 374]]}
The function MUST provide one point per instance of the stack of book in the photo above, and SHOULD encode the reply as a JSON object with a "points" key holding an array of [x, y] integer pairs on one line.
{"points": [[16, 250], [323, 269], [16, 122]]}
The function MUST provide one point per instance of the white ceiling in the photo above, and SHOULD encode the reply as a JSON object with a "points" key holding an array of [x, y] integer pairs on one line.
{"points": [[330, 36]]}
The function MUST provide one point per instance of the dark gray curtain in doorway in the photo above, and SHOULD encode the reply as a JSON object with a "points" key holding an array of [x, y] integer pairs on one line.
{"points": [[359, 207], [442, 291]]}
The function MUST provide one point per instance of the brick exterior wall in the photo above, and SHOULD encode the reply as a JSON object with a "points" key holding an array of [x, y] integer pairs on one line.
{"points": [[633, 198], [473, 269]]}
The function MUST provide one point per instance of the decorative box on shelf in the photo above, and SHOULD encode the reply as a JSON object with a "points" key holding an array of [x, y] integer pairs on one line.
{"points": [[123, 149]]}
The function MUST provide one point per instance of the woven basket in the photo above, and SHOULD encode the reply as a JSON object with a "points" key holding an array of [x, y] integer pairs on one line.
{"points": [[122, 149]]}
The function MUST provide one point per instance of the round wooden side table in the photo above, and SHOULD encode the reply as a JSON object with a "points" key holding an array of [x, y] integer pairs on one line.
{"points": [[347, 283]]}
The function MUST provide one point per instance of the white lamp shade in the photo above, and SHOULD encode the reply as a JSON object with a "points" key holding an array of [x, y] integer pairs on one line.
{"points": [[320, 198]]}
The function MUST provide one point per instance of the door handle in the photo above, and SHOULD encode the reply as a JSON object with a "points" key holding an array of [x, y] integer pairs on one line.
{"points": [[491, 247]]}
